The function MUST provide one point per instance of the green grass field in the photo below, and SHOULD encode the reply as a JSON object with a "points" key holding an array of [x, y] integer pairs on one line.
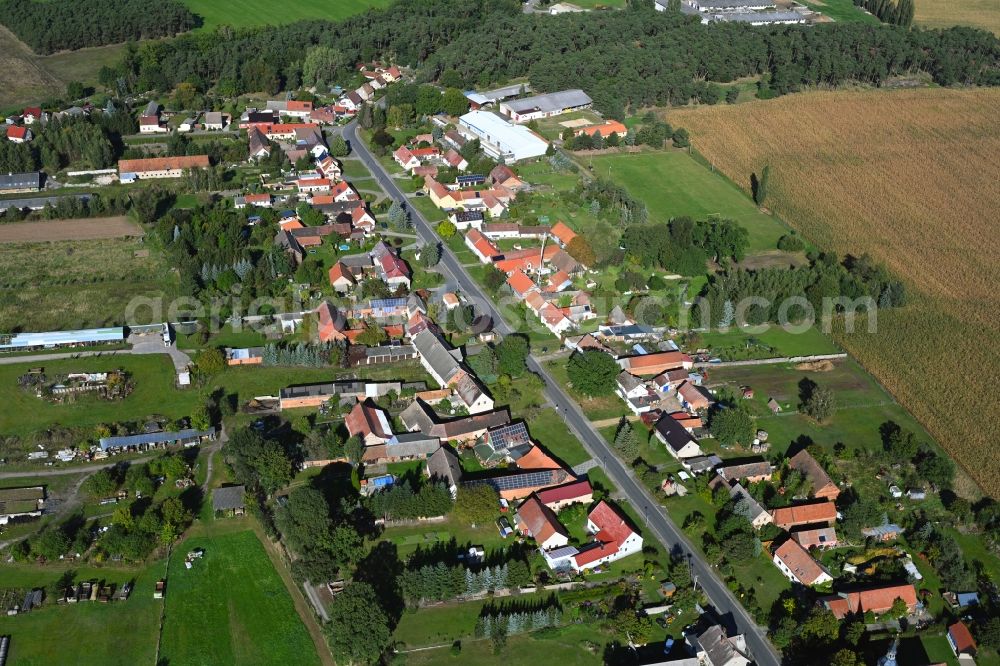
{"points": [[230, 607], [77, 284], [84, 633], [243, 13], [549, 430], [843, 11], [861, 404], [672, 183]]}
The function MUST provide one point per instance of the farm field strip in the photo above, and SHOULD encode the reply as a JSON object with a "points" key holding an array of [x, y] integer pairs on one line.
{"points": [[244, 13], [841, 185], [67, 230]]}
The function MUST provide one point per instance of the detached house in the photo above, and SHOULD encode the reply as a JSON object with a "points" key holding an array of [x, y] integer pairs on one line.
{"points": [[878, 600], [797, 515], [798, 565], [18, 134], [679, 442], [614, 538], [535, 520], [635, 393], [655, 364]]}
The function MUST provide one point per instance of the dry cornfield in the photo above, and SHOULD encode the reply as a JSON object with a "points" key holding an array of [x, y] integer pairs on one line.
{"points": [[913, 178]]}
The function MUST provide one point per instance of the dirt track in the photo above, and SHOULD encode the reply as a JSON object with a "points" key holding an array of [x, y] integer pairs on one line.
{"points": [[62, 230]]}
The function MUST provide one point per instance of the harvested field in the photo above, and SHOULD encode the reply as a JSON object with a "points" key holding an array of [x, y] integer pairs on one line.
{"points": [[67, 230], [912, 178], [983, 14]]}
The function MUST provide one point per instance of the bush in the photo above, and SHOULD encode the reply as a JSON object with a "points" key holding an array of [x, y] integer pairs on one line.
{"points": [[791, 243]]}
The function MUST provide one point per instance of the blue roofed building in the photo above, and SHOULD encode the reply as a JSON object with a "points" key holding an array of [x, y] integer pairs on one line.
{"points": [[51, 339], [141, 442]]}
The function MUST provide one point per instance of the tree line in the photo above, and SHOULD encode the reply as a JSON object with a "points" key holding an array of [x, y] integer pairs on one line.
{"points": [[66, 25], [684, 245], [656, 58], [858, 279], [92, 142]]}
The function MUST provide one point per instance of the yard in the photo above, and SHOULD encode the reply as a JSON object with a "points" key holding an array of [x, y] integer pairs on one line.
{"points": [[672, 183], [47, 635], [861, 404], [549, 430], [230, 607], [738, 344]]}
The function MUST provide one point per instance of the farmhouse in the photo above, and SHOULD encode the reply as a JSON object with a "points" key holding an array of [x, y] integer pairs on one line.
{"points": [[878, 600], [291, 108], [522, 484], [798, 565], [805, 514], [410, 446], [159, 167], [655, 364], [545, 106], [819, 481], [368, 422], [693, 397], [229, 500], [314, 395], [21, 502], [420, 417], [635, 393], [442, 363], [614, 539], [501, 139], [534, 519], [679, 442], [12, 183]]}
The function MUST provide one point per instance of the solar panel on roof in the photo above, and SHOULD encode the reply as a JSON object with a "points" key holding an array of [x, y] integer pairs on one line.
{"points": [[515, 481]]}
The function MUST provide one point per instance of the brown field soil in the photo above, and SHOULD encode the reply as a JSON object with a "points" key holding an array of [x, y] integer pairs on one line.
{"points": [[911, 177], [815, 366], [983, 14], [65, 230]]}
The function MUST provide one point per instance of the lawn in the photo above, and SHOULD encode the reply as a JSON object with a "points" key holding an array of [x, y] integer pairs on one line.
{"points": [[861, 404], [738, 344], [354, 169], [672, 183], [231, 607], [549, 430], [408, 539], [243, 13], [78, 633]]}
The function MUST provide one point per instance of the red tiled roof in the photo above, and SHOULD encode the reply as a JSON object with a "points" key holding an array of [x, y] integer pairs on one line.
{"points": [[293, 105], [340, 272], [482, 244], [612, 533], [606, 129], [254, 198], [425, 152], [539, 520], [799, 562], [364, 419], [660, 359], [16, 132], [803, 514], [536, 458], [567, 492], [877, 600], [163, 163], [34, 111], [563, 233], [962, 638], [520, 283], [822, 484], [329, 326]]}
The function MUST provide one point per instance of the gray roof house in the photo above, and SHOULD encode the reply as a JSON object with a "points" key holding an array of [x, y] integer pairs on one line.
{"points": [[411, 445], [443, 464], [20, 182]]}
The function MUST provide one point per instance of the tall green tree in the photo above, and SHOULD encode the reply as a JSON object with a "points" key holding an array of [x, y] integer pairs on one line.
{"points": [[359, 626]]}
